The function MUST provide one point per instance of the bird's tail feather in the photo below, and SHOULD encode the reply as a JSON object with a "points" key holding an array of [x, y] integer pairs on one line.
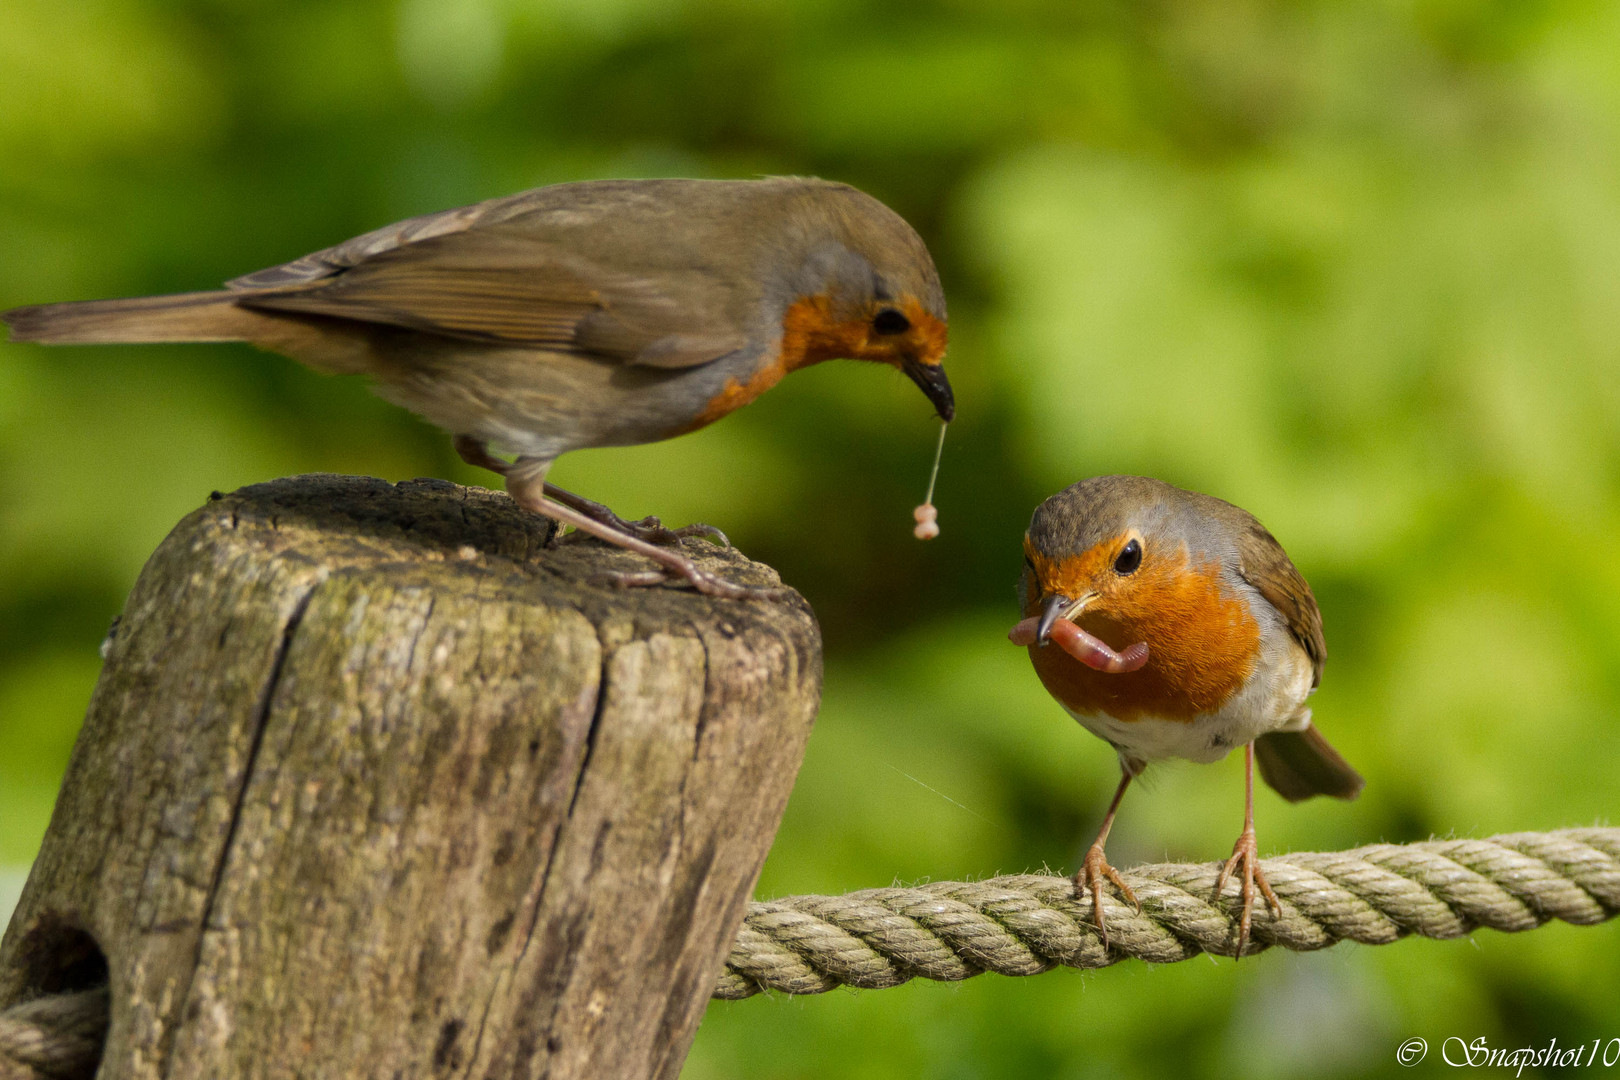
{"points": [[201, 316], [1299, 764]]}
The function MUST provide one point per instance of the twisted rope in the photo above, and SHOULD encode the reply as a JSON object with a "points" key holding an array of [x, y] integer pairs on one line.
{"points": [[1025, 924], [54, 1038]]}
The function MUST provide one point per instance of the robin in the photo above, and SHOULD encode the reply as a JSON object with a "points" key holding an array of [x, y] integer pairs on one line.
{"points": [[602, 313], [1220, 643]]}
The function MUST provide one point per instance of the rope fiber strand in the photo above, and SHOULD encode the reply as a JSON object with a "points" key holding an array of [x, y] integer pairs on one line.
{"points": [[1025, 924], [58, 1037]]}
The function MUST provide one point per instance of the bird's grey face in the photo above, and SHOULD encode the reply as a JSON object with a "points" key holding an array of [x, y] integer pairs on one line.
{"points": [[1093, 544], [848, 306], [1084, 515]]}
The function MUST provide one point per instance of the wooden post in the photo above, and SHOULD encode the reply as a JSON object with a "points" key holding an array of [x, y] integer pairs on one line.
{"points": [[376, 784]]}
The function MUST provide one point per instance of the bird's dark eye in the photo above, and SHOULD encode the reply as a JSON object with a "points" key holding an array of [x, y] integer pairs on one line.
{"points": [[890, 321], [1129, 559]]}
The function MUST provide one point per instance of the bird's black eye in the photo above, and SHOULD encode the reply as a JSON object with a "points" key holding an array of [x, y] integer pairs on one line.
{"points": [[1129, 559], [890, 321]]}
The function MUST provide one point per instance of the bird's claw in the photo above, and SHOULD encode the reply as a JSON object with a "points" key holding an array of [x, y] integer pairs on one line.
{"points": [[1246, 857], [661, 534], [648, 528], [1093, 869], [651, 529], [709, 584], [714, 585], [706, 532], [655, 531]]}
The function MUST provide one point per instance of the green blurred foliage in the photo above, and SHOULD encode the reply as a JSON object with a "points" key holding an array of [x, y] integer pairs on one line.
{"points": [[1354, 266]]}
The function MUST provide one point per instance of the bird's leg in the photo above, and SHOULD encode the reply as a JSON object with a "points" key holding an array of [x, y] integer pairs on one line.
{"points": [[1095, 866], [1246, 854], [475, 452], [526, 483]]}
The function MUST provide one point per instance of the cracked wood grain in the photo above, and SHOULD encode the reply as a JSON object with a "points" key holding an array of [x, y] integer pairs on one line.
{"points": [[375, 783]]}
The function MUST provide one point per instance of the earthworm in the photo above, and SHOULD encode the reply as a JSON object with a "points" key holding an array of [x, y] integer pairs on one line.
{"points": [[1083, 647]]}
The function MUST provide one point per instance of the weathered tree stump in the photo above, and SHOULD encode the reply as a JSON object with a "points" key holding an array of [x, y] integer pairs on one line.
{"points": [[375, 783]]}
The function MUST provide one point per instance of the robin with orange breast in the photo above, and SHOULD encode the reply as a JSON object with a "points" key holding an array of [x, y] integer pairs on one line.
{"points": [[1182, 630], [602, 313]]}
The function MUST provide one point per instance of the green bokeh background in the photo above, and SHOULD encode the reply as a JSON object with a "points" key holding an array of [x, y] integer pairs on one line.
{"points": [[1352, 265]]}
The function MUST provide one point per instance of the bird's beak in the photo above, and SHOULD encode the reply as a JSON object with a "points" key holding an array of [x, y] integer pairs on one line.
{"points": [[1057, 607], [930, 378]]}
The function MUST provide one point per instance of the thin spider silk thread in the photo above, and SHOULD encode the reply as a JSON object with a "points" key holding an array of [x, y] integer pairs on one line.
{"points": [[926, 515]]}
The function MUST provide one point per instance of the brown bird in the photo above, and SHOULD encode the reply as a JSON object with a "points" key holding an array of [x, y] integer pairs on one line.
{"points": [[1183, 631], [603, 313]]}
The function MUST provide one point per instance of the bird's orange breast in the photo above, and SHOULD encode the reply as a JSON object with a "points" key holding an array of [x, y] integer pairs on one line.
{"points": [[1203, 645], [811, 333], [735, 394]]}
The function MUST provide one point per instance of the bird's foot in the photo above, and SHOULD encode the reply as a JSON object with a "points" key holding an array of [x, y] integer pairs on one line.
{"points": [[1246, 859], [475, 452], [1093, 869], [528, 488], [705, 582], [649, 528], [654, 531]]}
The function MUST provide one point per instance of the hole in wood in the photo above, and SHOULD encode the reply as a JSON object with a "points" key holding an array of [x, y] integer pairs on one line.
{"points": [[65, 1004], [60, 958]]}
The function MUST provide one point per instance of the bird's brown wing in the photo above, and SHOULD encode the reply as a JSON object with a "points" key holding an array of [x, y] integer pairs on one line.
{"points": [[327, 262], [500, 282], [1266, 566], [1297, 764]]}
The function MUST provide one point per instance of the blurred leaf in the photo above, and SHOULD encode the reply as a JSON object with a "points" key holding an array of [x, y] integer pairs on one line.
{"points": [[95, 77], [41, 706]]}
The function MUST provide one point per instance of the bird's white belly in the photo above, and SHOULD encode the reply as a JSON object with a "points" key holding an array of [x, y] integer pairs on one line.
{"points": [[1205, 738], [1272, 700]]}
